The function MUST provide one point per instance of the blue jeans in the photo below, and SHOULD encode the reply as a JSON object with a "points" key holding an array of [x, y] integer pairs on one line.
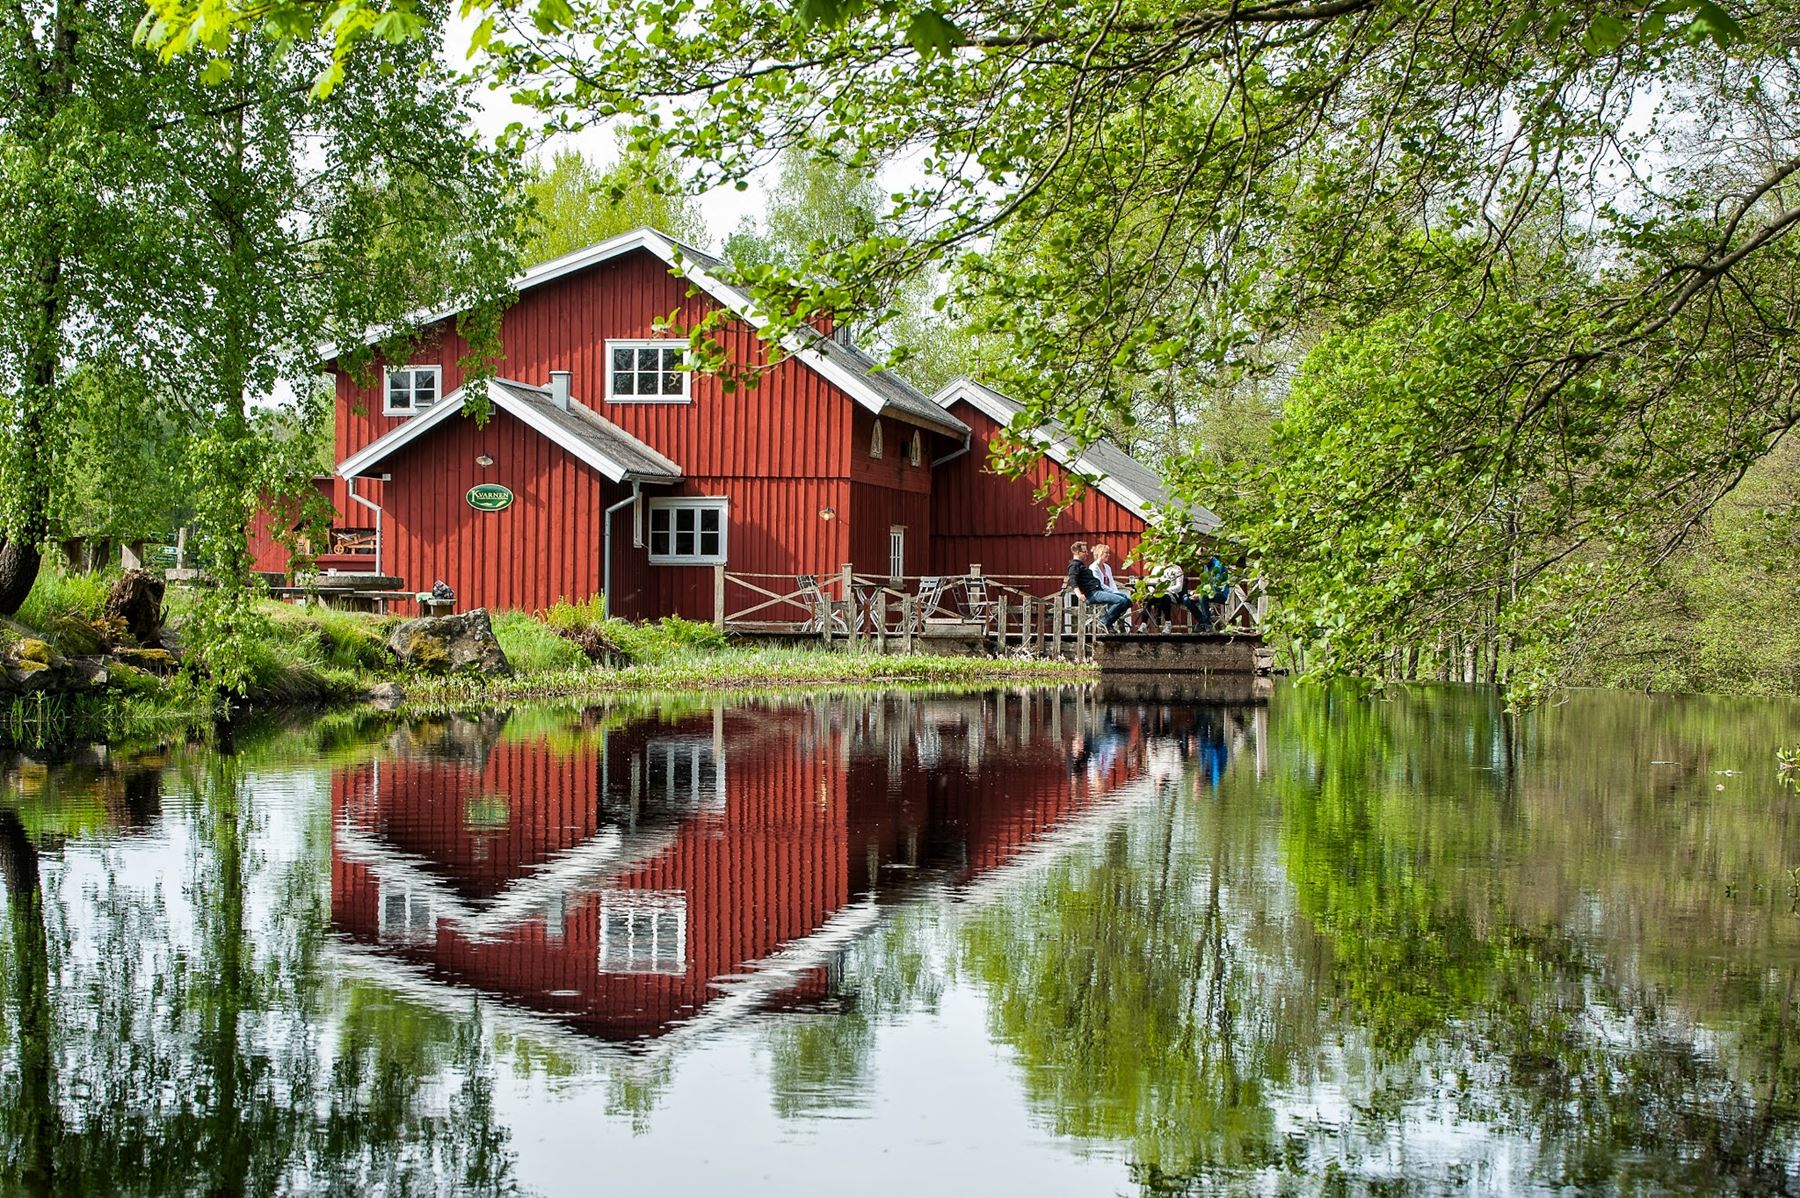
{"points": [[1117, 604]]}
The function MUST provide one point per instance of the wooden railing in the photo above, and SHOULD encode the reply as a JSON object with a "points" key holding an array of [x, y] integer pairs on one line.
{"points": [[1031, 613]]}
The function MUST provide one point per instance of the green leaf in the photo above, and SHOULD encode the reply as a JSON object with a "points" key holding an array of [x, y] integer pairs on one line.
{"points": [[1604, 34], [931, 33], [217, 71]]}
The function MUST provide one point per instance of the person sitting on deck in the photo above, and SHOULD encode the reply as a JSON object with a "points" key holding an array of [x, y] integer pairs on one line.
{"points": [[1082, 580], [1215, 587], [1108, 581], [1170, 583]]}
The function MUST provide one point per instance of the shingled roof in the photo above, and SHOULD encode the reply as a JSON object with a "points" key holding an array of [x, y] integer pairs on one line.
{"points": [[1103, 464], [586, 434]]}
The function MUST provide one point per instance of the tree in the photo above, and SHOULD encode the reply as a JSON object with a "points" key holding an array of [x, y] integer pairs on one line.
{"points": [[575, 204], [1205, 190]]}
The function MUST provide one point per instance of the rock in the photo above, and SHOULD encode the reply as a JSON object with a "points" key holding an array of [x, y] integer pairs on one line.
{"points": [[30, 651], [137, 599], [78, 636], [386, 695], [446, 644], [157, 661]]}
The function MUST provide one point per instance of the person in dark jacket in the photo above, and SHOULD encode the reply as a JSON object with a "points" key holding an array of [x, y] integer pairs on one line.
{"points": [[1081, 579]]}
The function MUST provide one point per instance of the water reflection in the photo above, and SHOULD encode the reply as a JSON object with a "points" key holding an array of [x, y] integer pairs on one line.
{"points": [[1055, 940], [660, 878]]}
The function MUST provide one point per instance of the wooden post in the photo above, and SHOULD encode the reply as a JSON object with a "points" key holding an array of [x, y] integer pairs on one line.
{"points": [[719, 597], [1081, 632], [908, 617], [1000, 625], [847, 595], [881, 620], [181, 535]]}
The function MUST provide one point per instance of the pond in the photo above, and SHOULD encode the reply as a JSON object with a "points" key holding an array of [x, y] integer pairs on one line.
{"points": [[1046, 941]]}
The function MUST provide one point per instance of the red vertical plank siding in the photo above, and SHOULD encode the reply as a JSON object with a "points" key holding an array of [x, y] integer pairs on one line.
{"points": [[979, 516], [784, 452]]}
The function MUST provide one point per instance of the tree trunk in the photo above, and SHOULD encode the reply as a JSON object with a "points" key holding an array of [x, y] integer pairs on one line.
{"points": [[18, 571]]}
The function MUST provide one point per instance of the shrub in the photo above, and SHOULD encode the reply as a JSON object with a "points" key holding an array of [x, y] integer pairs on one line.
{"points": [[566, 616], [664, 639], [532, 647]]}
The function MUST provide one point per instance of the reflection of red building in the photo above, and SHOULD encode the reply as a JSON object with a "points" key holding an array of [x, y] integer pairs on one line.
{"points": [[663, 871]]}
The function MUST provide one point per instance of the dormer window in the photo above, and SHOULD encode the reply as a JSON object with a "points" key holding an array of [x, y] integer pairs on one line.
{"points": [[915, 448], [875, 441], [410, 389]]}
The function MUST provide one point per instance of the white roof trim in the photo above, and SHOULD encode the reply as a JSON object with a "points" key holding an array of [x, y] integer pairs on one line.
{"points": [[649, 239], [404, 434], [989, 404]]}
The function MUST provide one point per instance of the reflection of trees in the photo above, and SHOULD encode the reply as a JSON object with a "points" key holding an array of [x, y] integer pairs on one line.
{"points": [[1516, 927], [143, 1062], [1129, 990]]}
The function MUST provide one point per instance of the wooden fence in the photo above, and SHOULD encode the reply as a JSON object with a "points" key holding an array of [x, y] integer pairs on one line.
{"points": [[1034, 615]]}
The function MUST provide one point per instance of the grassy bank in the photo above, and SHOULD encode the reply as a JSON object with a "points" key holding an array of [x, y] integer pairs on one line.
{"points": [[318, 657]]}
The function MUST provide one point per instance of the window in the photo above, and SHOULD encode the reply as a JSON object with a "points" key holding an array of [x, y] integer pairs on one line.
{"points": [[687, 532], [410, 389], [915, 448], [875, 441], [646, 372], [643, 931], [897, 551], [404, 918], [682, 775]]}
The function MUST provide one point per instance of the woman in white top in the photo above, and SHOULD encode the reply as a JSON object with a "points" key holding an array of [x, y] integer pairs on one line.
{"points": [[1103, 567]]}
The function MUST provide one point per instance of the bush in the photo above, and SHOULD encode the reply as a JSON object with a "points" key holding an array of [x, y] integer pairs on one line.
{"points": [[532, 647], [668, 638], [565, 616]]}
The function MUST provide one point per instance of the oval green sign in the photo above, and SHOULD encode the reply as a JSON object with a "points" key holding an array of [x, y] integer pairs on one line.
{"points": [[490, 497]]}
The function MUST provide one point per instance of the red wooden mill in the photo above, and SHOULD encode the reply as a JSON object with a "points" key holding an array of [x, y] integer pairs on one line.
{"points": [[606, 467]]}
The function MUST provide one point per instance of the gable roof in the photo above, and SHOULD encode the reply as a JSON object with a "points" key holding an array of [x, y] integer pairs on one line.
{"points": [[880, 391], [1106, 467], [586, 434]]}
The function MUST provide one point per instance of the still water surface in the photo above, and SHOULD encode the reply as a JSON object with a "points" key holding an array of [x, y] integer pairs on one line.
{"points": [[1050, 941]]}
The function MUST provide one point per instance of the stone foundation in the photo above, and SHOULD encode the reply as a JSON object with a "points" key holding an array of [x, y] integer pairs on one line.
{"points": [[1180, 653]]}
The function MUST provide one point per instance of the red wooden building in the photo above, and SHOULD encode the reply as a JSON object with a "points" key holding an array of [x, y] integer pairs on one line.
{"points": [[667, 876], [608, 466]]}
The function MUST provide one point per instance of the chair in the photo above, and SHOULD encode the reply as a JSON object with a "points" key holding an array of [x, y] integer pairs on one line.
{"points": [[975, 597], [814, 598], [931, 597]]}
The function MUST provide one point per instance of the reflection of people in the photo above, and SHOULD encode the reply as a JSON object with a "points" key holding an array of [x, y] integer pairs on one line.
{"points": [[1083, 580]]}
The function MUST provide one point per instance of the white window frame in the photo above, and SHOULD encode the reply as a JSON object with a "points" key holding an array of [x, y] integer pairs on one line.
{"points": [[875, 446], [414, 407], [897, 551], [417, 922], [643, 931], [695, 504], [658, 343], [665, 763]]}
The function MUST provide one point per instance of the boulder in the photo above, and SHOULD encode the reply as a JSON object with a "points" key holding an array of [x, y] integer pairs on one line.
{"points": [[137, 599], [462, 643], [386, 695]]}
